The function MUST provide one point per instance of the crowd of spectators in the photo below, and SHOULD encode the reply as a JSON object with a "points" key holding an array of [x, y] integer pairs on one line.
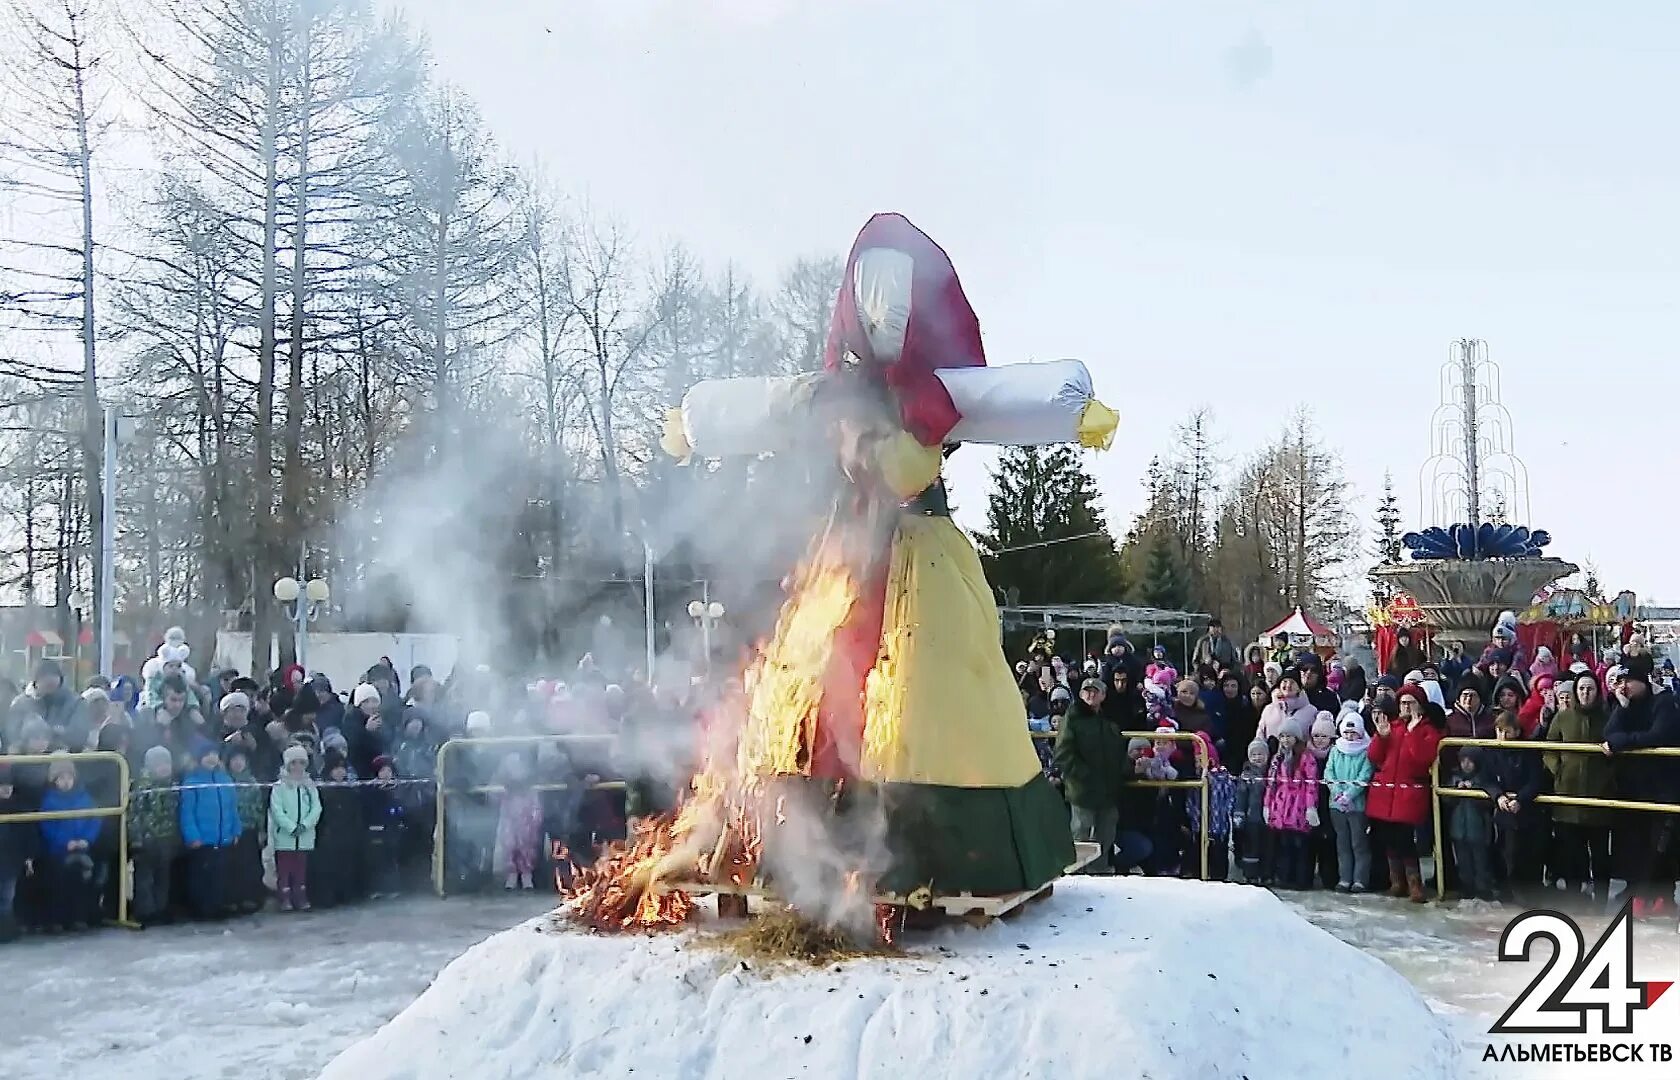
{"points": [[1319, 776], [290, 794]]}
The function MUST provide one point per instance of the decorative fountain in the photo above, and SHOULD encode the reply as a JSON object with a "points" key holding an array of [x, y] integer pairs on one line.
{"points": [[1464, 575]]}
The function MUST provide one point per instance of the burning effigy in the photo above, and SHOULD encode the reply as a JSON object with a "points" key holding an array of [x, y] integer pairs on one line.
{"points": [[878, 756]]}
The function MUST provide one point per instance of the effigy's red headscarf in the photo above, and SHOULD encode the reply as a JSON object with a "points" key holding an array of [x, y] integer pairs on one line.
{"points": [[942, 331]]}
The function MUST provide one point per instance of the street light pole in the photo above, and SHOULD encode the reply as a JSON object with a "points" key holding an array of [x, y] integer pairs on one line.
{"points": [[647, 603], [705, 612], [306, 600], [107, 546]]}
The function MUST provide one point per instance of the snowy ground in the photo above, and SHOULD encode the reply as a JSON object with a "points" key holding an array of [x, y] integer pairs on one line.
{"points": [[1450, 953], [284, 995], [1115, 976], [272, 996]]}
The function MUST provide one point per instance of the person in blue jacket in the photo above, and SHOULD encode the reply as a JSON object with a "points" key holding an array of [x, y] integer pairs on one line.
{"points": [[73, 877], [209, 827]]}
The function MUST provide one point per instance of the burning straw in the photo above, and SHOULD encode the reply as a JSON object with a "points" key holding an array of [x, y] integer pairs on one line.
{"points": [[781, 935]]}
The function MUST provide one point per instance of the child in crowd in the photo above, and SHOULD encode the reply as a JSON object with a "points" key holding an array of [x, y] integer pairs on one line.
{"points": [[1470, 826], [1349, 770], [17, 847], [294, 810], [1321, 842], [518, 825], [74, 877], [1248, 819], [154, 835], [382, 812], [1519, 824], [1291, 804], [244, 890], [209, 828], [1222, 793], [335, 868]]}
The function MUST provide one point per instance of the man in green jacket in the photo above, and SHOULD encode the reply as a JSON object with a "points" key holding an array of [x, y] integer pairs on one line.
{"points": [[1091, 755]]}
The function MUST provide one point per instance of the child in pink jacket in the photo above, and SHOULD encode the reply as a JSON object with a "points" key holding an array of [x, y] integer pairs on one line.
{"points": [[1291, 805]]}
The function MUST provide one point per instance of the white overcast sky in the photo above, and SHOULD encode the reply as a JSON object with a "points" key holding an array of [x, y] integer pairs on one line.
{"points": [[1244, 206]]}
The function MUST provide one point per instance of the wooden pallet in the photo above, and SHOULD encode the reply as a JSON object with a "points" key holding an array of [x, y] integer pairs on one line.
{"points": [[976, 909]]}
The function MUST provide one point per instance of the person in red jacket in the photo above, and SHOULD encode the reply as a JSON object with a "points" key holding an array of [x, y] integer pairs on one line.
{"points": [[1398, 802], [1539, 709]]}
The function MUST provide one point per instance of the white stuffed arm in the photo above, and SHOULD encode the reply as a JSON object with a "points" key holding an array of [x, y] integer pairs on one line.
{"points": [[1028, 405], [736, 417]]}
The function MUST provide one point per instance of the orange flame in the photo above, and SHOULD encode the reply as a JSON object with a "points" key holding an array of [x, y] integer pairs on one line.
{"points": [[771, 736]]}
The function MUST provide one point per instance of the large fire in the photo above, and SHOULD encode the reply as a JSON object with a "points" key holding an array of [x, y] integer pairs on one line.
{"points": [[716, 835]]}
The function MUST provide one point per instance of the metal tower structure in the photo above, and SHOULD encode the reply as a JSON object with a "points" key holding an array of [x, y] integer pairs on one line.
{"points": [[1473, 464]]}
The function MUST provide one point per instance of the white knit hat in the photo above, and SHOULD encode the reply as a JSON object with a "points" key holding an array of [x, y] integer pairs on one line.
{"points": [[364, 693], [293, 753], [478, 721], [236, 700]]}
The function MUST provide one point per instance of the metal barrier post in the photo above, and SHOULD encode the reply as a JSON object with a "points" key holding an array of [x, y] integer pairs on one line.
{"points": [[437, 822], [1198, 749], [1530, 746], [120, 812], [1435, 812]]}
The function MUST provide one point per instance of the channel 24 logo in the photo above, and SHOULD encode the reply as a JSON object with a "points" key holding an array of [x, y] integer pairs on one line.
{"points": [[1574, 983]]}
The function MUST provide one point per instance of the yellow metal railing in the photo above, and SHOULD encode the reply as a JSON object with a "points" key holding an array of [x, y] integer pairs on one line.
{"points": [[440, 778], [119, 811], [1199, 749], [1530, 746]]}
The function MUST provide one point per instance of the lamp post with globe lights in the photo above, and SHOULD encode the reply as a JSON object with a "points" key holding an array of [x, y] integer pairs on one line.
{"points": [[705, 612], [302, 603]]}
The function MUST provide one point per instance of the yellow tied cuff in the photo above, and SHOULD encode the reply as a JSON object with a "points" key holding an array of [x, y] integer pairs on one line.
{"points": [[672, 439], [1097, 425]]}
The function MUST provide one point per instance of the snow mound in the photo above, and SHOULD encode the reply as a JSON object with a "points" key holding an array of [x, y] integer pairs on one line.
{"points": [[1116, 976]]}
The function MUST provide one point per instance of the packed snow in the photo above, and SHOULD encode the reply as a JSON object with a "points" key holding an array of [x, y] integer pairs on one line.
{"points": [[286, 994], [1170, 978], [272, 995], [1448, 951]]}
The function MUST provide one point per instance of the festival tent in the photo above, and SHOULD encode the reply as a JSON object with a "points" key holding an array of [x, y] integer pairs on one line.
{"points": [[1304, 631]]}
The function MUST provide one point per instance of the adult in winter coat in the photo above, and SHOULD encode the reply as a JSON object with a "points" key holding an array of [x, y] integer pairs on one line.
{"points": [[1288, 702], [1315, 684], [209, 827], [1581, 834], [1399, 800], [1509, 694], [1242, 721], [1407, 656], [1469, 719], [19, 842], [1215, 649], [1122, 700], [1539, 709], [1646, 720], [1355, 685], [1091, 756], [335, 869], [1121, 654], [58, 706], [1188, 710], [294, 811]]}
